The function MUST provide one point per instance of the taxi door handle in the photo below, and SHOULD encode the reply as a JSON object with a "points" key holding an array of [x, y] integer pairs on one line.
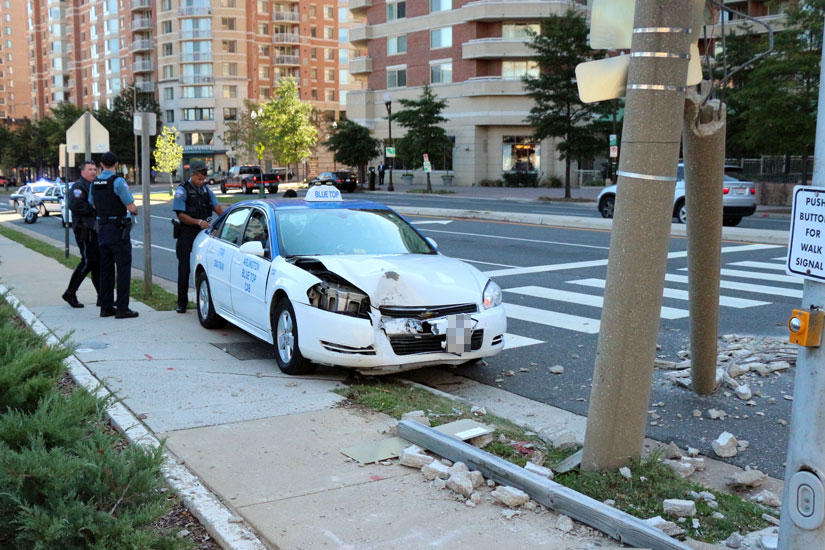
{"points": [[238, 261]]}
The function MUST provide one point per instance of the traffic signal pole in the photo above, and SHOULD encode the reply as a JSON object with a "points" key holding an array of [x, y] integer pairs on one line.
{"points": [[704, 150], [641, 232]]}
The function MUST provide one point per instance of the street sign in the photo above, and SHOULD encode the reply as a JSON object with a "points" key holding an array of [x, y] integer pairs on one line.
{"points": [[151, 123], [614, 151], [390, 152], [76, 135], [614, 140], [426, 157], [807, 238], [428, 167]]}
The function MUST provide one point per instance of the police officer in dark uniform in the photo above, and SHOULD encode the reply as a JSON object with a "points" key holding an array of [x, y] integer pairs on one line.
{"points": [[194, 202], [83, 221], [113, 202]]}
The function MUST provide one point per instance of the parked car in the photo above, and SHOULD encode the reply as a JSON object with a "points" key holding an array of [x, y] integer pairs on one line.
{"points": [[52, 200], [8, 181], [738, 199], [344, 180], [246, 178], [216, 177], [346, 283], [271, 181]]}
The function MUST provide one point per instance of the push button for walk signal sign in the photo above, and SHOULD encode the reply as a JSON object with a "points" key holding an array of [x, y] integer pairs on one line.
{"points": [[807, 500], [806, 327]]}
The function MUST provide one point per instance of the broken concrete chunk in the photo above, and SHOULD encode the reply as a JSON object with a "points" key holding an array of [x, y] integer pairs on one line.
{"points": [[673, 451], [435, 469], [414, 457], [768, 499], [439, 483], [459, 467], [679, 507], [771, 519], [717, 515], [530, 505], [609, 502], [416, 416], [735, 540], [707, 495], [556, 369], [682, 469], [540, 470], [560, 439], [564, 524], [697, 463], [738, 369], [475, 497], [693, 495], [693, 452], [777, 366], [461, 483], [478, 411], [510, 496], [624, 471], [667, 527], [477, 478], [724, 445], [481, 441], [746, 479], [743, 392], [715, 414], [769, 542], [762, 369], [662, 364]]}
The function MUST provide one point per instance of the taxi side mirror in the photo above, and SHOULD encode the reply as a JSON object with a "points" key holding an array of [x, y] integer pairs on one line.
{"points": [[253, 248]]}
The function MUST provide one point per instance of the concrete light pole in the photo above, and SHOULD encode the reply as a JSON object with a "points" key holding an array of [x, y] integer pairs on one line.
{"points": [[388, 105], [641, 231]]}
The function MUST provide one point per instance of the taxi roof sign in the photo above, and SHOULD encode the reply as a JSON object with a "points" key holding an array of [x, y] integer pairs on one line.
{"points": [[323, 193]]}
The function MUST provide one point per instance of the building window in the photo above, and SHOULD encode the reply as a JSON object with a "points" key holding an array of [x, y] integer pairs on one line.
{"points": [[230, 113], [329, 12], [519, 31], [230, 91], [312, 10], [396, 45], [313, 53], [197, 92], [329, 54], [441, 5], [343, 76], [330, 95], [168, 71], [397, 77], [314, 74], [441, 73], [343, 36], [168, 93], [313, 31], [166, 5], [229, 46], [263, 71], [343, 56], [227, 3], [199, 114], [198, 138], [441, 38], [519, 69], [263, 28], [396, 10], [167, 48], [170, 116], [166, 27], [329, 75], [228, 23], [230, 69], [313, 94], [263, 6], [343, 15], [263, 50], [520, 153], [265, 93]]}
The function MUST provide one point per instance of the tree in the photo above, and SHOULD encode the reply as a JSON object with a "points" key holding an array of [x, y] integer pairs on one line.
{"points": [[119, 121], [287, 122], [352, 144], [244, 134], [421, 117], [558, 112], [168, 152]]}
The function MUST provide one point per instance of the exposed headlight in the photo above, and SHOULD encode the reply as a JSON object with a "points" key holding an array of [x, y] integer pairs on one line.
{"points": [[492, 295]]}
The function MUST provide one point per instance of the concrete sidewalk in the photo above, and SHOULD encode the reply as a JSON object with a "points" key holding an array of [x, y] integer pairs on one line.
{"points": [[265, 444]]}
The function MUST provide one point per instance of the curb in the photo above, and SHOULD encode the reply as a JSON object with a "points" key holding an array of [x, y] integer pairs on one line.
{"points": [[216, 518]]}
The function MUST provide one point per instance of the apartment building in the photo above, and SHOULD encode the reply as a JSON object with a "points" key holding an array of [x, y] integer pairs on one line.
{"points": [[15, 97]]}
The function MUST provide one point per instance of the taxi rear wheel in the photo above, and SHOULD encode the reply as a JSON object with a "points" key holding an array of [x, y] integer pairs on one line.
{"points": [[206, 309], [285, 339]]}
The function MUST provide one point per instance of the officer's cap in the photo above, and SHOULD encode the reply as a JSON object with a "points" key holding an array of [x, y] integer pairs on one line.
{"points": [[108, 159], [198, 167]]}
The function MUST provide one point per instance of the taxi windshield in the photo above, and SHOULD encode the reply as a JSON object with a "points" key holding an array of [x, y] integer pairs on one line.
{"points": [[319, 232]]}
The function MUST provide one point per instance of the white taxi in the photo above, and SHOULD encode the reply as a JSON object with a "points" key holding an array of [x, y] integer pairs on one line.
{"points": [[345, 283]]}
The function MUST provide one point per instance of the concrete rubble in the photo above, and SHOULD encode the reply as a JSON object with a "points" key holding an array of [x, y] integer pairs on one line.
{"points": [[560, 439], [435, 469], [416, 416], [510, 496], [414, 457], [724, 445], [747, 479], [767, 498], [667, 527], [540, 470], [679, 507]]}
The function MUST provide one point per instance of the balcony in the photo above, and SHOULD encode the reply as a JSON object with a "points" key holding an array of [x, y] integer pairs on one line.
{"points": [[360, 65], [497, 10], [736, 27], [286, 60], [359, 7], [196, 57], [143, 45], [196, 33], [360, 34], [141, 5], [142, 24], [286, 38], [493, 85], [195, 11], [286, 16], [496, 48], [143, 66], [147, 86], [197, 79]]}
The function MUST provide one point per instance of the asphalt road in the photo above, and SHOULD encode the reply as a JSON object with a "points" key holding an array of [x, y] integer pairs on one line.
{"points": [[554, 312]]}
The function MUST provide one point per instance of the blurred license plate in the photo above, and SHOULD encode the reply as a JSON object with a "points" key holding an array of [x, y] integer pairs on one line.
{"points": [[459, 333], [740, 191]]}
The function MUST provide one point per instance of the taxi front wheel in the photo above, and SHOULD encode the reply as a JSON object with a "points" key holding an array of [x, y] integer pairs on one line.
{"points": [[206, 310], [285, 339]]}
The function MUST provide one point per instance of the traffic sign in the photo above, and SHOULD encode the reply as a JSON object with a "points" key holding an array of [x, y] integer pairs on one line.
{"points": [[614, 151], [426, 157], [807, 238], [428, 167], [147, 120], [614, 140], [391, 152], [77, 132]]}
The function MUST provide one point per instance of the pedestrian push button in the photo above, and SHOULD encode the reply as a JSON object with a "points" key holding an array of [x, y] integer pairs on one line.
{"points": [[807, 500], [806, 327]]}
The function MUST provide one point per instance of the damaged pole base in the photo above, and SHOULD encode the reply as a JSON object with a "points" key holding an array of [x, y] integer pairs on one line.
{"points": [[614, 523]]}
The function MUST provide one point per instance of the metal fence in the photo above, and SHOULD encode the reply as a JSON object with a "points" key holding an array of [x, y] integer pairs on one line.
{"points": [[773, 168]]}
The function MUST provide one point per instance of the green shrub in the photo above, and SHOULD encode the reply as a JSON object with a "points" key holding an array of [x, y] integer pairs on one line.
{"points": [[593, 183], [555, 181], [520, 178], [490, 183]]}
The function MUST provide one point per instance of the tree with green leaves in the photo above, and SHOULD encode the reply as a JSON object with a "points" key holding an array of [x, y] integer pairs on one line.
{"points": [[422, 118], [168, 152], [245, 133], [287, 121], [558, 112], [352, 144]]}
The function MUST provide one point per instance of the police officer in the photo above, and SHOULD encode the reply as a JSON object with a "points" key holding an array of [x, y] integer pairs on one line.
{"points": [[194, 202], [83, 218], [113, 202]]}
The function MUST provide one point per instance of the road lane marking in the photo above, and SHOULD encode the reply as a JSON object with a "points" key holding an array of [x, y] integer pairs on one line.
{"points": [[137, 242], [552, 318], [521, 239], [761, 265], [480, 262], [513, 341], [592, 300], [744, 287], [727, 301], [437, 222], [757, 275]]}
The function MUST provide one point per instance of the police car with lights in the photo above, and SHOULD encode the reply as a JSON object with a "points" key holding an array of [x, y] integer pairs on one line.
{"points": [[345, 283]]}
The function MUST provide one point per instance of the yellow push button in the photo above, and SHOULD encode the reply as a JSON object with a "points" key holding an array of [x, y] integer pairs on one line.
{"points": [[806, 327]]}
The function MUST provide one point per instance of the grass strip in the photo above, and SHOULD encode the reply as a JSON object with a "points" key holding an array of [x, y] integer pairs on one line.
{"points": [[159, 300], [67, 479], [641, 496]]}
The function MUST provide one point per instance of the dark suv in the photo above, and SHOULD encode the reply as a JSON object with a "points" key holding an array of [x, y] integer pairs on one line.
{"points": [[245, 178], [343, 180]]}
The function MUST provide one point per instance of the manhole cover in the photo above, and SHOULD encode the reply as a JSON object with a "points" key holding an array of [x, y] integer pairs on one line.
{"points": [[245, 351]]}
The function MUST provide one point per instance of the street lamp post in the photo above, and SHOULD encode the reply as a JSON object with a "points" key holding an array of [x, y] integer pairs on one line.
{"points": [[388, 104]]}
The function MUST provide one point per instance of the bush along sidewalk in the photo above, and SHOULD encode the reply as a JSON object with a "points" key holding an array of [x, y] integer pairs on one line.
{"points": [[67, 480], [639, 490]]}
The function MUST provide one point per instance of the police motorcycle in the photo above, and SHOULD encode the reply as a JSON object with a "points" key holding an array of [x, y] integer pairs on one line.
{"points": [[29, 207]]}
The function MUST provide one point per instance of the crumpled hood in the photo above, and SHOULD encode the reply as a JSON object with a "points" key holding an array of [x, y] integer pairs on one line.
{"points": [[410, 279]]}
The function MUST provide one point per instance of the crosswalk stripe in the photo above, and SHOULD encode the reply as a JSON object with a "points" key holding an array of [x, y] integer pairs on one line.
{"points": [[512, 341], [783, 258], [761, 265], [584, 299], [552, 318], [727, 301], [744, 287], [757, 275]]}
